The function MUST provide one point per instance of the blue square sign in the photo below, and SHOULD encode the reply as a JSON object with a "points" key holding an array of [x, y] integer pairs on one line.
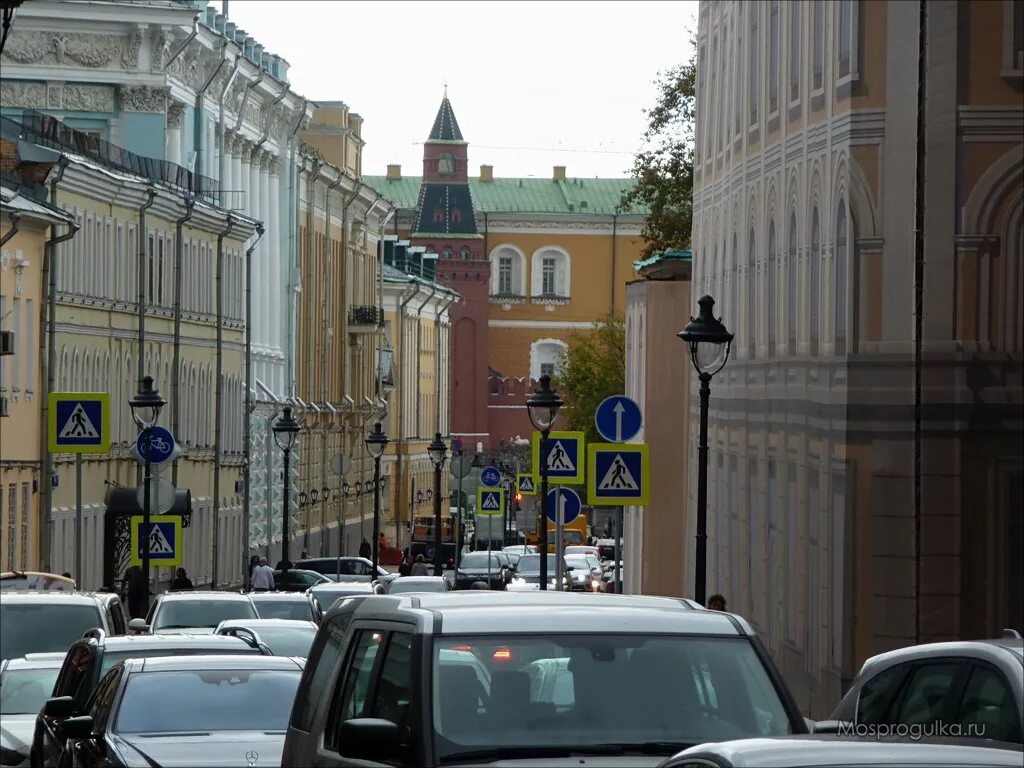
{"points": [[618, 474], [79, 422], [163, 539], [563, 454]]}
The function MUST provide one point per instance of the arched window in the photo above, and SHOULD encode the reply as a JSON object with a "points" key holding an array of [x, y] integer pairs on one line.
{"points": [[546, 356], [791, 280], [456, 215], [814, 277], [508, 271], [439, 215], [550, 273], [841, 245], [771, 318], [464, 254], [751, 295], [446, 253]]}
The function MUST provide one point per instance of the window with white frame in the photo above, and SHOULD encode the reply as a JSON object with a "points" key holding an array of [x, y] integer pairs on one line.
{"points": [[18, 341], [814, 274], [508, 267], [841, 259], [505, 274], [551, 273], [795, 50], [713, 97], [546, 357], [818, 44], [773, 57], [845, 43]]}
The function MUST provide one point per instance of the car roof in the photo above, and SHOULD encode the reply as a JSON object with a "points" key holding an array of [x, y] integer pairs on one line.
{"points": [[296, 597], [213, 662], [37, 661], [410, 579], [153, 642], [495, 612], [270, 623], [992, 650], [49, 597], [819, 750], [352, 587], [204, 594]]}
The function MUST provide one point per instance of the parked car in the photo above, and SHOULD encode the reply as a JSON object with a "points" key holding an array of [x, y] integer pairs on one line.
{"points": [[35, 581], [326, 594], [193, 711], [491, 568], [515, 551], [582, 549], [398, 681], [345, 568], [194, 611], [283, 637], [586, 574], [976, 686], [25, 685], [285, 605], [825, 752], [44, 621], [527, 575], [296, 580], [419, 584], [91, 657]]}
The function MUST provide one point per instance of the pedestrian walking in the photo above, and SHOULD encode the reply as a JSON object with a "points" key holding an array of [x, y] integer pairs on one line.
{"points": [[254, 562], [136, 592], [419, 568], [405, 567], [716, 603], [181, 581], [262, 577], [365, 550]]}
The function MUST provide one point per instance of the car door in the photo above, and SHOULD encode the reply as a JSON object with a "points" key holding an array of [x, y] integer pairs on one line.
{"points": [[91, 752], [988, 709], [74, 680], [931, 693]]}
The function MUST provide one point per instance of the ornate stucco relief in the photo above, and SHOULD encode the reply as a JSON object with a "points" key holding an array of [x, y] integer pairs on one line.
{"points": [[144, 99], [49, 48], [24, 95], [88, 98], [185, 68], [77, 98], [175, 111], [161, 48]]}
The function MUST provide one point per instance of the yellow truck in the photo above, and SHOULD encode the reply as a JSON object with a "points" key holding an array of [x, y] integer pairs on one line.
{"points": [[574, 533]]}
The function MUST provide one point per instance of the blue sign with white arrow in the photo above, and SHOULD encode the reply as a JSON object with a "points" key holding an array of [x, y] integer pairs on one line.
{"points": [[160, 445], [490, 477], [618, 419], [567, 500]]}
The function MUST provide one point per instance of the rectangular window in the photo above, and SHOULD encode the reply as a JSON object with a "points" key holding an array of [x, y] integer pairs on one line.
{"points": [[30, 344], [818, 53], [160, 271], [505, 275], [792, 556], [549, 271], [726, 83], [813, 568], [547, 369], [795, 50], [702, 98], [773, 58], [753, 83], [713, 100]]}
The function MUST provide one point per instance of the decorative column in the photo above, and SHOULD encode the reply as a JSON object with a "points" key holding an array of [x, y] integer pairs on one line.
{"points": [[243, 148], [259, 257], [270, 254], [172, 150], [278, 283]]}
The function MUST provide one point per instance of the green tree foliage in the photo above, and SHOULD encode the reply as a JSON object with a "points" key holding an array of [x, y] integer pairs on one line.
{"points": [[663, 169], [593, 368]]}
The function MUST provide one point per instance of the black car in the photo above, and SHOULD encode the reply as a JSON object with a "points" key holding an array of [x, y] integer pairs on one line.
{"points": [[193, 711], [90, 658], [492, 568], [296, 580]]}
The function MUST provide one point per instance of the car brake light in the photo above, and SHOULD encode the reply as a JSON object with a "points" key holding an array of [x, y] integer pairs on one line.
{"points": [[502, 654], [463, 648]]}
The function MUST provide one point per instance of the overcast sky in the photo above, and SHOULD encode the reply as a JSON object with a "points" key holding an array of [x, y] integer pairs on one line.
{"points": [[532, 84]]}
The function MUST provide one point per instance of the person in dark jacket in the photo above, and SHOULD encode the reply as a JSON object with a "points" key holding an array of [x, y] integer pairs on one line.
{"points": [[136, 592], [181, 581], [365, 551]]}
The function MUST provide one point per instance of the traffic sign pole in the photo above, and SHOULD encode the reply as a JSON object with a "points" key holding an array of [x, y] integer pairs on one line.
{"points": [[78, 520], [559, 533]]}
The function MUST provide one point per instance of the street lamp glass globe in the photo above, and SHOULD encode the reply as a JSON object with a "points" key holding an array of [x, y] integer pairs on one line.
{"points": [[436, 450], [146, 404], [286, 430], [708, 356], [543, 405], [376, 441]]}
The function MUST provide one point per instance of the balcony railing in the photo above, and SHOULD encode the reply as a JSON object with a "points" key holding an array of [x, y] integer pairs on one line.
{"points": [[365, 319]]}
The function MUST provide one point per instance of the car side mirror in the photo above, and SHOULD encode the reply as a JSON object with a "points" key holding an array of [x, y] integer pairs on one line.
{"points": [[570, 568], [138, 625], [59, 708], [369, 738], [825, 726], [75, 728]]}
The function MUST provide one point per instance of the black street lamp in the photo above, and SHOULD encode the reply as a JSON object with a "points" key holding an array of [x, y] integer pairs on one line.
{"points": [[543, 406], [286, 432], [436, 451], [376, 442], [146, 405], [709, 349]]}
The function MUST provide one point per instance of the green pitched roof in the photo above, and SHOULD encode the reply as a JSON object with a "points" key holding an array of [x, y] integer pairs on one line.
{"points": [[446, 127], [530, 195]]}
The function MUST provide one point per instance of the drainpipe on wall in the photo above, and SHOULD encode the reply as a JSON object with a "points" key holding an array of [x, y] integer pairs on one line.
{"points": [[437, 355], [15, 226], [185, 42], [143, 263], [325, 383], [222, 172], [48, 344], [295, 211], [179, 248], [380, 294], [310, 277], [247, 422], [218, 403], [245, 98], [197, 122], [311, 429]]}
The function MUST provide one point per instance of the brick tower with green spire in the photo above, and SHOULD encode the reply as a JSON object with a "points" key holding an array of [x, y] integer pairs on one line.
{"points": [[447, 226]]}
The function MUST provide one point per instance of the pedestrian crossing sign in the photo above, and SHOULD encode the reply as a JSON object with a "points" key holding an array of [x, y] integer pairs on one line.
{"points": [[163, 539], [618, 474], [526, 484], [79, 422], [490, 501], [564, 455]]}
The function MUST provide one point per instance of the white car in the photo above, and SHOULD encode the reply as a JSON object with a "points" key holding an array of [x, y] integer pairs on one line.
{"points": [[25, 685], [194, 612]]}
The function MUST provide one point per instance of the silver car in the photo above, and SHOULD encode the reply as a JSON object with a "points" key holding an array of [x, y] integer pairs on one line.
{"points": [[25, 685]]}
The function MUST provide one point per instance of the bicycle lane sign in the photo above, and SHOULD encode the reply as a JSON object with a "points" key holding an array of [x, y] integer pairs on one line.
{"points": [[161, 446]]}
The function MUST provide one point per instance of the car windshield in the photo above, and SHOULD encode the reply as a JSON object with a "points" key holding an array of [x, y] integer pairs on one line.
{"points": [[110, 658], [208, 700], [204, 612], [479, 560], [43, 627], [551, 691], [531, 564], [416, 585], [24, 691], [287, 641], [578, 562], [298, 610]]}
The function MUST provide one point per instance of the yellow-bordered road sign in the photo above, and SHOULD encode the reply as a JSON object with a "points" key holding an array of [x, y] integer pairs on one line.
{"points": [[163, 538], [526, 484], [490, 501], [618, 474], [79, 422], [564, 458]]}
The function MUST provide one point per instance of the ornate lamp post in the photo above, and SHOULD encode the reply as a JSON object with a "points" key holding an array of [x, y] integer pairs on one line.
{"points": [[286, 432], [376, 442], [436, 450], [543, 406], [146, 405], [709, 343]]}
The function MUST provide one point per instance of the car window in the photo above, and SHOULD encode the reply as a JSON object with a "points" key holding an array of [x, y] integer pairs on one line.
{"points": [[288, 641], [878, 694], [359, 674], [27, 627], [319, 674], [25, 691], [184, 614], [76, 675], [110, 658], [926, 692], [987, 708], [391, 698], [300, 610], [102, 698]]}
